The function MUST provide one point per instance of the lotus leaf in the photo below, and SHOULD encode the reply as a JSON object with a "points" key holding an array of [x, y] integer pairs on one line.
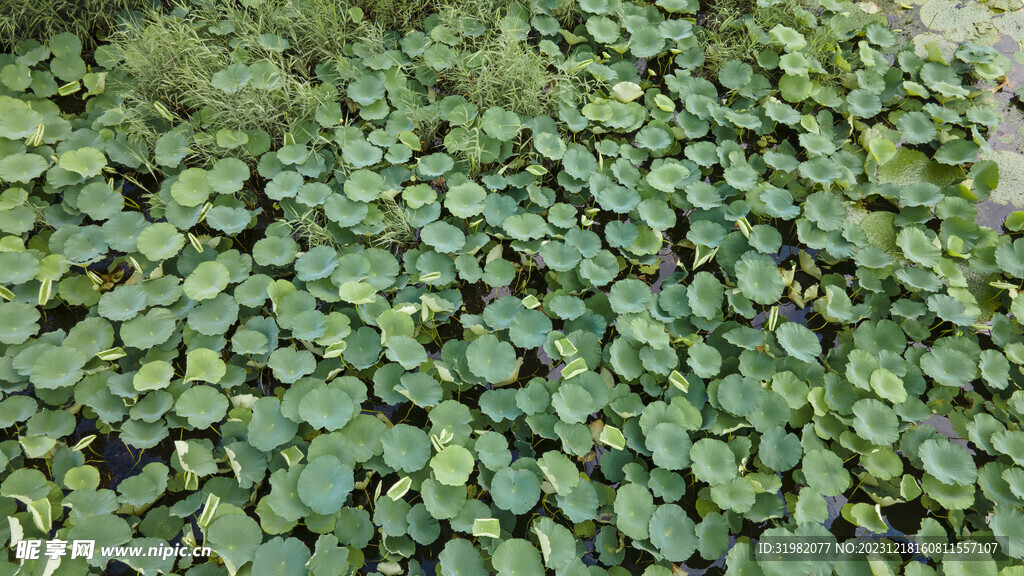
{"points": [[325, 484], [202, 406], [206, 281], [191, 188], [461, 558], [588, 254], [268, 429], [515, 490], [86, 162], [712, 460], [948, 462], [452, 465], [22, 167], [517, 557], [634, 511], [236, 538], [160, 241], [825, 473], [799, 342], [465, 200], [491, 359]]}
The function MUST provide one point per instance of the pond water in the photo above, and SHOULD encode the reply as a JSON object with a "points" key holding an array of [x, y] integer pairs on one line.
{"points": [[945, 23]]}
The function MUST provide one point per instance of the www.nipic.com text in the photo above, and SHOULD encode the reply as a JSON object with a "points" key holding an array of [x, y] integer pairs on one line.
{"points": [[32, 549]]}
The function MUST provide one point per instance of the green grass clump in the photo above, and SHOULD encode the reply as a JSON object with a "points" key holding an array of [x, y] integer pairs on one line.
{"points": [[42, 19], [312, 227], [400, 15], [396, 232], [493, 64], [172, 59], [319, 30], [737, 30]]}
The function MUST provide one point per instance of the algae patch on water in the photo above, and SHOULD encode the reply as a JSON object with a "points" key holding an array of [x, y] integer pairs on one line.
{"points": [[1011, 178]]}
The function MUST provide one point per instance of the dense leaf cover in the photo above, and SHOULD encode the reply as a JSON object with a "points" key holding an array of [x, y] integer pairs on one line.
{"points": [[569, 287]]}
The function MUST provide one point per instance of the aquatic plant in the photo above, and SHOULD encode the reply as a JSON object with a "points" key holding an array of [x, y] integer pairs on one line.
{"points": [[554, 287]]}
